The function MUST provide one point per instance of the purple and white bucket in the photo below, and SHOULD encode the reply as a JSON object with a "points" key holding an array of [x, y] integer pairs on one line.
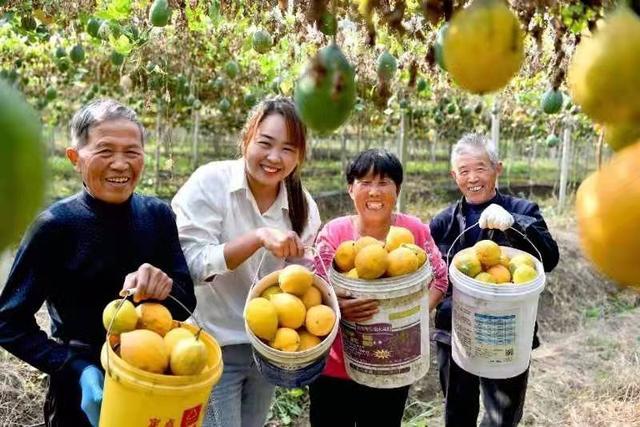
{"points": [[391, 349]]}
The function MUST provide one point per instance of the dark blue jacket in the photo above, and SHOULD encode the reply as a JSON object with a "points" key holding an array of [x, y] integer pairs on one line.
{"points": [[75, 258], [447, 225]]}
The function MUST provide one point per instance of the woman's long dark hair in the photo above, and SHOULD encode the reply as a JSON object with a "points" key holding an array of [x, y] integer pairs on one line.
{"points": [[297, 132]]}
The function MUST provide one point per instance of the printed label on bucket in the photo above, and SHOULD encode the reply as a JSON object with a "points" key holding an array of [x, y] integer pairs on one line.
{"points": [[489, 336], [190, 418], [380, 345]]}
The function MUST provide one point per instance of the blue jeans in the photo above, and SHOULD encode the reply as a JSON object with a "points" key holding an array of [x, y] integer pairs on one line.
{"points": [[243, 397]]}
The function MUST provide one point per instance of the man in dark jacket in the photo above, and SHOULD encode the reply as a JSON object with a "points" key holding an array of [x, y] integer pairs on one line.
{"points": [[78, 255], [475, 169]]}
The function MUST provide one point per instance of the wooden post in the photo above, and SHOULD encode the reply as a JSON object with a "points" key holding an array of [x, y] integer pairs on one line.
{"points": [[156, 181], [196, 131], [599, 150], [432, 147], [495, 124], [343, 151], [564, 165], [402, 155]]}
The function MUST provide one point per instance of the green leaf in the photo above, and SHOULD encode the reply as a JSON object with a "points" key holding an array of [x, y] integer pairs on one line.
{"points": [[116, 10], [197, 19], [121, 45], [214, 13], [592, 313], [296, 392]]}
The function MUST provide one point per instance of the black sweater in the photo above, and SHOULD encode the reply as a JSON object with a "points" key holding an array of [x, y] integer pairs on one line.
{"points": [[75, 258]]}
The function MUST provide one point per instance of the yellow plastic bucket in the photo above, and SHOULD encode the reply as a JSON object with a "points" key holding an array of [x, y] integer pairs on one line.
{"points": [[136, 398]]}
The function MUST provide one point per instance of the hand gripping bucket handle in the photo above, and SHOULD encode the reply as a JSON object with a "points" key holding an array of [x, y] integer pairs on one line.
{"points": [[478, 224], [255, 280], [125, 293], [311, 249]]}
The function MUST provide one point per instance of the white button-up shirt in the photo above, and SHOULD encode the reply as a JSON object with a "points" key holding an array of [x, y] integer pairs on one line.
{"points": [[215, 206]]}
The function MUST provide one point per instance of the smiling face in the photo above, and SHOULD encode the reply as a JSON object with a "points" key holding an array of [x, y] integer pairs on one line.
{"points": [[374, 197], [270, 156], [476, 176], [112, 160]]}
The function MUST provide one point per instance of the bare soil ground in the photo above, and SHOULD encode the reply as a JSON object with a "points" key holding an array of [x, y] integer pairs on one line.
{"points": [[586, 373]]}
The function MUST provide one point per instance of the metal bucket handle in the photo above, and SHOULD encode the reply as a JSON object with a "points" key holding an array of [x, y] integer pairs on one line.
{"points": [[478, 224], [311, 249]]}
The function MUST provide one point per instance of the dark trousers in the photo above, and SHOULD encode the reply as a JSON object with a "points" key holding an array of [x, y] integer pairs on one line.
{"points": [[503, 399], [62, 404], [343, 403]]}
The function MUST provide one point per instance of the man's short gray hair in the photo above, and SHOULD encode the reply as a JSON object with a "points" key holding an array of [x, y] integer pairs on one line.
{"points": [[96, 112], [474, 142]]}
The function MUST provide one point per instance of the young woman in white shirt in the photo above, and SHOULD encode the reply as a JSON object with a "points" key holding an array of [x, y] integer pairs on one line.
{"points": [[238, 220]]}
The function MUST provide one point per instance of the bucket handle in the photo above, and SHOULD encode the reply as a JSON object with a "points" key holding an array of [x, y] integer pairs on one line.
{"points": [[314, 252], [125, 293], [477, 223]]}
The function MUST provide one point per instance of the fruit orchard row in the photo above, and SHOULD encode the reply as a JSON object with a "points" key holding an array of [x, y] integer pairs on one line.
{"points": [[221, 57]]}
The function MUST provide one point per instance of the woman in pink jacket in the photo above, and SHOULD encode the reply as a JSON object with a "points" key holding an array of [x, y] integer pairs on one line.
{"points": [[374, 178]]}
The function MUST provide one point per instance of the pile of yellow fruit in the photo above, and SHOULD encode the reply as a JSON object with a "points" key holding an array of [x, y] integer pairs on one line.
{"points": [[148, 338], [290, 315], [368, 258], [486, 263]]}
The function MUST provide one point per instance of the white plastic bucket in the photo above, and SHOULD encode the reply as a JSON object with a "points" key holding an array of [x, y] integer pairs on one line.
{"points": [[391, 349], [292, 369], [492, 325]]}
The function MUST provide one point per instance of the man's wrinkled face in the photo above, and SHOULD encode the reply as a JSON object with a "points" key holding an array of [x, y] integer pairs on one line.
{"points": [[476, 176], [112, 161]]}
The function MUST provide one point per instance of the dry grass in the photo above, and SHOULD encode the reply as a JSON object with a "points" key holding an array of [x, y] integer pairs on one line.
{"points": [[588, 378], [22, 388], [574, 290]]}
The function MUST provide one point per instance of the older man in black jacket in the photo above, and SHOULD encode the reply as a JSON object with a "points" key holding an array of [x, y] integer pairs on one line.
{"points": [[475, 169], [80, 253]]}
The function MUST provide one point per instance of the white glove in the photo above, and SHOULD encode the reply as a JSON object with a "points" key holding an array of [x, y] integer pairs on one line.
{"points": [[495, 216]]}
